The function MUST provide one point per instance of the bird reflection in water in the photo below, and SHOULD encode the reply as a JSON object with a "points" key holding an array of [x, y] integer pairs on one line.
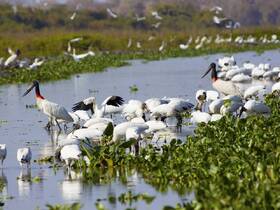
{"points": [[24, 182]]}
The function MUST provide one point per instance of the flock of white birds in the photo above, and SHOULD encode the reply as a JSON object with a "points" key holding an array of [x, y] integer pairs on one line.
{"points": [[198, 42], [146, 118]]}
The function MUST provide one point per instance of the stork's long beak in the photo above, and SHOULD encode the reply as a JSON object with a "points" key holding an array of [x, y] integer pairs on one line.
{"points": [[209, 69], [28, 90]]}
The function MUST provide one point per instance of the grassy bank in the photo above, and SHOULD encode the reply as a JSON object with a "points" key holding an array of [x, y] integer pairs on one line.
{"points": [[112, 51], [230, 164]]}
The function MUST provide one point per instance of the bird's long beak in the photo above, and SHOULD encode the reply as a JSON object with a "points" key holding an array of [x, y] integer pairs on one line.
{"points": [[209, 69], [28, 90]]}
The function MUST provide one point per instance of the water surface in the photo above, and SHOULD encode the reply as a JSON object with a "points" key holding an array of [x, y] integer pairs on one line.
{"points": [[22, 127]]}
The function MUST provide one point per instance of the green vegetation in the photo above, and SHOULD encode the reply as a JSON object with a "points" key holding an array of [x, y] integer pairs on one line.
{"points": [[229, 164], [74, 206], [133, 88], [62, 67], [45, 33], [127, 198]]}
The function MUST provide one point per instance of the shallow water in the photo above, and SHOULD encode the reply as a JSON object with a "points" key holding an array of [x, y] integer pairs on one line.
{"points": [[20, 127]]}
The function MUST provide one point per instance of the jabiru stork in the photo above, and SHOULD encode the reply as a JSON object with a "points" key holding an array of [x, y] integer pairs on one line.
{"points": [[224, 87], [52, 110]]}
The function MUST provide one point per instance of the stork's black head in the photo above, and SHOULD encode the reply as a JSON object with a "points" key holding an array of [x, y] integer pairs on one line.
{"points": [[212, 67], [35, 83]]}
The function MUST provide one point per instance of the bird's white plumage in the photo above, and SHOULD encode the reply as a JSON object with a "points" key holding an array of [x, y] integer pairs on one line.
{"points": [[24, 156], [135, 132], [275, 87], [226, 87], [230, 107], [216, 117], [54, 110], [120, 129], [86, 133], [70, 152], [78, 57], [134, 108], [79, 116], [89, 100], [199, 117], [256, 107], [154, 102], [155, 125], [93, 121], [253, 91], [241, 78], [215, 106], [3, 152], [212, 95], [11, 59]]}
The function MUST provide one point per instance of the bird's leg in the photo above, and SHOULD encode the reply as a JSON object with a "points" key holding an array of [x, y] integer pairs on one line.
{"points": [[136, 147], [65, 127], [48, 126], [179, 123], [58, 125]]}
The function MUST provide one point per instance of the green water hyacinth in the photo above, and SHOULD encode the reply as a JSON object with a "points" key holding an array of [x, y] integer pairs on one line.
{"points": [[229, 164]]}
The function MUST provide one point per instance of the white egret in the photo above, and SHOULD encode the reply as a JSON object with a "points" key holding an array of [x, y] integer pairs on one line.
{"points": [[13, 57], [78, 57], [111, 13]]}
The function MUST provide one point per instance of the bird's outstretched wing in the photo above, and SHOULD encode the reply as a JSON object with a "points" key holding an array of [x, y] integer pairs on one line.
{"points": [[113, 100], [81, 106]]}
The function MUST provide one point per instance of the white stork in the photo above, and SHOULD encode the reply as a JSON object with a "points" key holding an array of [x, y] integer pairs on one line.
{"points": [[52, 110], [3, 153], [70, 153], [255, 107], [106, 106], [24, 156]]}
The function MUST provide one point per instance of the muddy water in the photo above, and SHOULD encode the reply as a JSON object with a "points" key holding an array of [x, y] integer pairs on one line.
{"points": [[20, 127]]}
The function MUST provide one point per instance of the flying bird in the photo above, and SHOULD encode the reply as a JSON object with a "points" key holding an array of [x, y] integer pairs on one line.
{"points": [[111, 13]]}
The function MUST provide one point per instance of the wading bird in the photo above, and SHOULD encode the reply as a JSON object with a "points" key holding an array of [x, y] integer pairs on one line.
{"points": [[252, 107], [90, 104], [224, 87], [3, 153], [70, 153], [111, 13], [12, 59], [52, 110], [24, 156]]}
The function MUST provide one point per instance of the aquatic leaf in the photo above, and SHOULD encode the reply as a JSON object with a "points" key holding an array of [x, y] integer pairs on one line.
{"points": [[109, 130], [128, 144], [100, 206], [36, 179]]}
